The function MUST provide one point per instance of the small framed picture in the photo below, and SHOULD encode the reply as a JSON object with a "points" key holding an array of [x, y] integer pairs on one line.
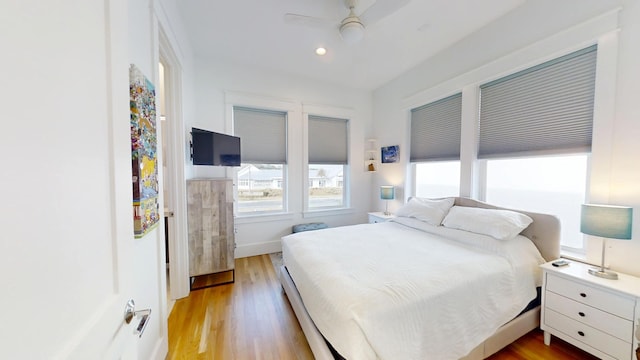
{"points": [[390, 154]]}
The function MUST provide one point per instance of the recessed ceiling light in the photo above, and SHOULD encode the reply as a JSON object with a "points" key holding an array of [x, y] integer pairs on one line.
{"points": [[321, 51]]}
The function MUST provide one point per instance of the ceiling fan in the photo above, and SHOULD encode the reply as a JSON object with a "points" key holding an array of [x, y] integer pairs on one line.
{"points": [[352, 27]]}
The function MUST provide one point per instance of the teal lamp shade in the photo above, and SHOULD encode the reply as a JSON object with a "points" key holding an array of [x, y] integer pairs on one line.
{"points": [[608, 222], [387, 192]]}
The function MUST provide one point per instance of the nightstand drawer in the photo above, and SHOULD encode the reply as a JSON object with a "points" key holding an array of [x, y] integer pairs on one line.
{"points": [[603, 300], [608, 323], [606, 343]]}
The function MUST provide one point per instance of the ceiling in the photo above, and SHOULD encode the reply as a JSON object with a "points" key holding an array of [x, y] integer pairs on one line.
{"points": [[255, 33]]}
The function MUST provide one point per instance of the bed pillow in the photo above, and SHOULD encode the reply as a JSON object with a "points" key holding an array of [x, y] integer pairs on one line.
{"points": [[427, 210], [500, 224]]}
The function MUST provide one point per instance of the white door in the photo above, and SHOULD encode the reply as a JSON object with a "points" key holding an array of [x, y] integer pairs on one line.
{"points": [[65, 185]]}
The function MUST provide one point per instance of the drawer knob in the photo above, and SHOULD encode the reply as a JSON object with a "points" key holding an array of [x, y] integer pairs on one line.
{"points": [[583, 294], [581, 313], [580, 333]]}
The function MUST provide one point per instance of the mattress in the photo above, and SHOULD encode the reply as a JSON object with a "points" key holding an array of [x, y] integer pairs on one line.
{"points": [[405, 290]]}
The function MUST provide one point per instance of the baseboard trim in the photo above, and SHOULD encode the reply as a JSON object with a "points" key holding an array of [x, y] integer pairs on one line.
{"points": [[261, 248], [161, 350]]}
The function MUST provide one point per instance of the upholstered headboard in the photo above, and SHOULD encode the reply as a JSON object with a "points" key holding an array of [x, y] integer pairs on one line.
{"points": [[544, 231]]}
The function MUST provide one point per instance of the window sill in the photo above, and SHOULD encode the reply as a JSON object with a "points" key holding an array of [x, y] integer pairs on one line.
{"points": [[262, 217], [573, 255], [327, 212]]}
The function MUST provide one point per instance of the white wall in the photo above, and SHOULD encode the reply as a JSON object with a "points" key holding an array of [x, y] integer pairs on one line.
{"points": [[535, 32], [625, 147], [217, 81]]}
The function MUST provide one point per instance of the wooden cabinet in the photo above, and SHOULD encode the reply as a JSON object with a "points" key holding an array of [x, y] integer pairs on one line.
{"points": [[210, 226], [594, 314]]}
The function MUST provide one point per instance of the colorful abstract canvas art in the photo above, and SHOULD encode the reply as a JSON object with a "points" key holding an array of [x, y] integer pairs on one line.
{"points": [[144, 159]]}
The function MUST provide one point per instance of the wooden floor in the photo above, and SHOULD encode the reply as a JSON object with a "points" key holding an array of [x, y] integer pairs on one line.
{"points": [[252, 319]]}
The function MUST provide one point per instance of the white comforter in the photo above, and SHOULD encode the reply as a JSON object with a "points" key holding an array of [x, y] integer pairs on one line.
{"points": [[391, 291]]}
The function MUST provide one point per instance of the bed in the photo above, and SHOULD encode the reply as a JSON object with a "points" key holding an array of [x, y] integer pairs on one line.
{"points": [[430, 284]]}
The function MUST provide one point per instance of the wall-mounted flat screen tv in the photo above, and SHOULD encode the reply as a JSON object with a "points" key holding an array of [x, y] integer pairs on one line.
{"points": [[211, 148]]}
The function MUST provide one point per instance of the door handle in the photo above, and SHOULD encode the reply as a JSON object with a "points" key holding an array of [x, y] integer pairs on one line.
{"points": [[130, 312]]}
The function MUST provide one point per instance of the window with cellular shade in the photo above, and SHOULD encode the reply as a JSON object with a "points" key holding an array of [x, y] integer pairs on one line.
{"points": [[263, 135], [546, 109], [435, 130], [328, 140]]}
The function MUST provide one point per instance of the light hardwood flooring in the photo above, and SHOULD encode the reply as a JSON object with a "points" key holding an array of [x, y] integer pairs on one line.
{"points": [[252, 319]]}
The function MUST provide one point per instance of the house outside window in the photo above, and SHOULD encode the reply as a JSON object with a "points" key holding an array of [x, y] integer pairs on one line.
{"points": [[326, 186], [260, 188]]}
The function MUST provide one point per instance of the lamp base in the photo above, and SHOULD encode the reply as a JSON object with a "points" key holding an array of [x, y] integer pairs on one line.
{"points": [[604, 274]]}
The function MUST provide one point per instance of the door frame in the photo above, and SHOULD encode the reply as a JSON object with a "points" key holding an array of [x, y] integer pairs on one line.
{"points": [[177, 231]]}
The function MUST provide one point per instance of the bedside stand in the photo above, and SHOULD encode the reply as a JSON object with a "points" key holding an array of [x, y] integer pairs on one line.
{"points": [[376, 217], [598, 315]]}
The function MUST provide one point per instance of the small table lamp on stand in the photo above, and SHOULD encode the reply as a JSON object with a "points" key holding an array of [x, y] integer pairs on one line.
{"points": [[387, 193], [606, 221]]}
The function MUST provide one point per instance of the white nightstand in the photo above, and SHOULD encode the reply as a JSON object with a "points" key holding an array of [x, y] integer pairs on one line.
{"points": [[597, 315], [376, 217]]}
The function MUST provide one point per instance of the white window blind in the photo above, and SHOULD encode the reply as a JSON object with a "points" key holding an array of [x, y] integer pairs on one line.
{"points": [[435, 130], [263, 135], [546, 109], [328, 140]]}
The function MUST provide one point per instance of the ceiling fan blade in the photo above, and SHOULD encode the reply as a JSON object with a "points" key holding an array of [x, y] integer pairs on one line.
{"points": [[310, 21], [381, 9]]}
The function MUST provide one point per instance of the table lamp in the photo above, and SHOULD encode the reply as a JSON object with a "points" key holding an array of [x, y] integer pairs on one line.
{"points": [[387, 193], [608, 222]]}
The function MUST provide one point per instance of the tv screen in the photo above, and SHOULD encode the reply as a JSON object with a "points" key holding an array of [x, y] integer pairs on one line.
{"points": [[211, 148], [201, 147]]}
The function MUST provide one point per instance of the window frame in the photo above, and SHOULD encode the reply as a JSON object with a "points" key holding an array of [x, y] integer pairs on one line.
{"points": [[439, 153], [473, 173], [529, 77], [292, 110], [329, 112]]}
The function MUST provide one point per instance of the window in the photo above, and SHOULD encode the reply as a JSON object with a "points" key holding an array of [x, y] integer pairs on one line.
{"points": [[550, 184], [528, 116], [437, 179], [259, 188], [328, 161], [325, 186], [262, 175], [541, 110], [435, 147]]}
